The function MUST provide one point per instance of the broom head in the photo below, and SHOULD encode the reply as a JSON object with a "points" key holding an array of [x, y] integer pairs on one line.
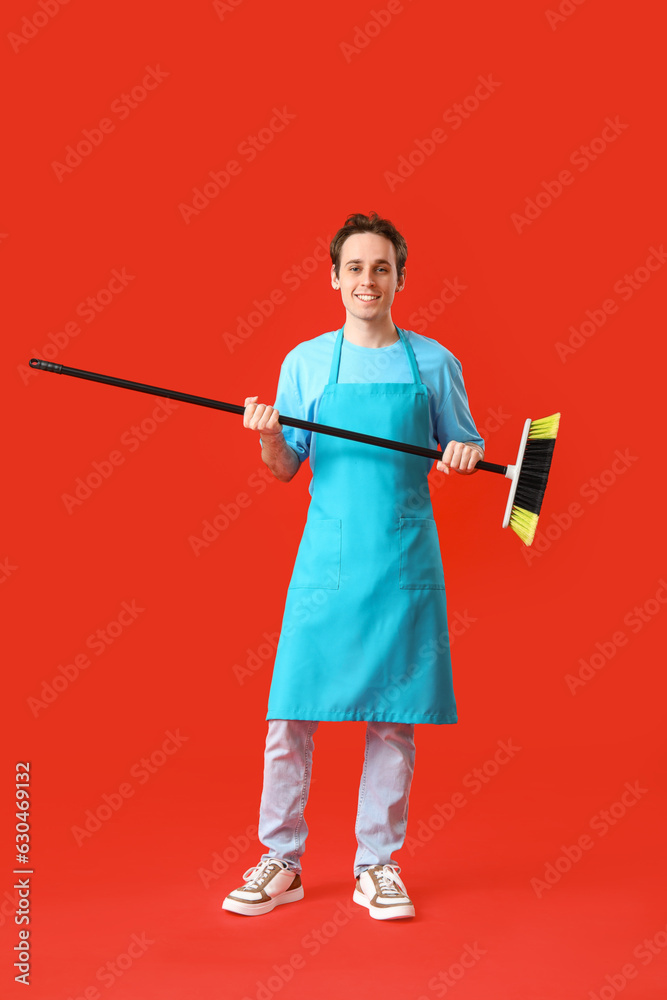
{"points": [[529, 476]]}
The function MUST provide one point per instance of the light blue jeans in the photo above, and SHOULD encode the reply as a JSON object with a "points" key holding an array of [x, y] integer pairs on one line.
{"points": [[382, 811]]}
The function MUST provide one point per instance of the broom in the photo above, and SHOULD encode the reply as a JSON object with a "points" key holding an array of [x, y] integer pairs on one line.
{"points": [[528, 475]]}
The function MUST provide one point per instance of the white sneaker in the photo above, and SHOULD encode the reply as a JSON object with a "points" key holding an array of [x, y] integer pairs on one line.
{"points": [[268, 884], [382, 892]]}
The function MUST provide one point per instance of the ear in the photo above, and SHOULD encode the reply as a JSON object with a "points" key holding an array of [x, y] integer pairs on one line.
{"points": [[334, 280], [400, 285]]}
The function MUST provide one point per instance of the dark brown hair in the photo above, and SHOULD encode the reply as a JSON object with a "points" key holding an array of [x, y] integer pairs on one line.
{"points": [[368, 224]]}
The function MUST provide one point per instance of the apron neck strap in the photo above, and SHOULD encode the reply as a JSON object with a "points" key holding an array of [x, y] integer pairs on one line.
{"points": [[335, 361]]}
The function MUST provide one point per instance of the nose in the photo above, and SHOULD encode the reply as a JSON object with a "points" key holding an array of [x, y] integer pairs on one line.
{"points": [[367, 277]]}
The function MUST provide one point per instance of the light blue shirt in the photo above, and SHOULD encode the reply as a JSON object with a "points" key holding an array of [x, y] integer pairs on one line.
{"points": [[305, 372]]}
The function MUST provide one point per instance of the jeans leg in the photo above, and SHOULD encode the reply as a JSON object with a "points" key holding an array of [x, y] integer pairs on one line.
{"points": [[288, 760], [382, 812]]}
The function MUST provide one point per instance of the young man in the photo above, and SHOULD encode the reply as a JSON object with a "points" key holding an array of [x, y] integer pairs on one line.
{"points": [[364, 633]]}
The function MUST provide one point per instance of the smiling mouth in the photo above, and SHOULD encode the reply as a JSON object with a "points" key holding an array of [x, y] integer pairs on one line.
{"points": [[367, 298]]}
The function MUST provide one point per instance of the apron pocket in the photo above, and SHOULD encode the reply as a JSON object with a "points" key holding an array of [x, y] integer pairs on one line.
{"points": [[421, 562], [317, 563]]}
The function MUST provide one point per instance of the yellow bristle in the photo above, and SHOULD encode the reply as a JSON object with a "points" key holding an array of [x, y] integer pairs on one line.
{"points": [[545, 427], [524, 523]]}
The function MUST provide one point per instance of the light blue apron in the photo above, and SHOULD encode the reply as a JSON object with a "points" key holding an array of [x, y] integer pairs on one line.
{"points": [[364, 633]]}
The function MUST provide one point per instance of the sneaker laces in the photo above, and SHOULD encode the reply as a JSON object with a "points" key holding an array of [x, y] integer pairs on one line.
{"points": [[255, 877], [387, 877]]}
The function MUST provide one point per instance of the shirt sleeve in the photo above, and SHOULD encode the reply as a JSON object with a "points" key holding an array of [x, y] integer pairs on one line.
{"points": [[454, 421], [289, 402]]}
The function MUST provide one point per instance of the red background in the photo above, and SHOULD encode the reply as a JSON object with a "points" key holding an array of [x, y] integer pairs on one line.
{"points": [[532, 614]]}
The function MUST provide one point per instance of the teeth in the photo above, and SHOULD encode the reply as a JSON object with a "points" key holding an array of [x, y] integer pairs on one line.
{"points": [[367, 298]]}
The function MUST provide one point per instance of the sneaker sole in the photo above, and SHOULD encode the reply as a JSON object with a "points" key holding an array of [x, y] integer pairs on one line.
{"points": [[257, 909], [388, 913]]}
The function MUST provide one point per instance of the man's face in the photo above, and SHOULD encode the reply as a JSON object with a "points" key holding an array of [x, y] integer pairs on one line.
{"points": [[368, 278]]}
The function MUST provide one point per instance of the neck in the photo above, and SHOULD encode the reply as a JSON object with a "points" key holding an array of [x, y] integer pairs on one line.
{"points": [[379, 334]]}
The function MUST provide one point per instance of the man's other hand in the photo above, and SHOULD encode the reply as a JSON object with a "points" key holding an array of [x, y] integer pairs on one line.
{"points": [[261, 417], [460, 457]]}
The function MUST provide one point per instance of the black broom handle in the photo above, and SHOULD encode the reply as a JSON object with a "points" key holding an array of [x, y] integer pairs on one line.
{"points": [[216, 404]]}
